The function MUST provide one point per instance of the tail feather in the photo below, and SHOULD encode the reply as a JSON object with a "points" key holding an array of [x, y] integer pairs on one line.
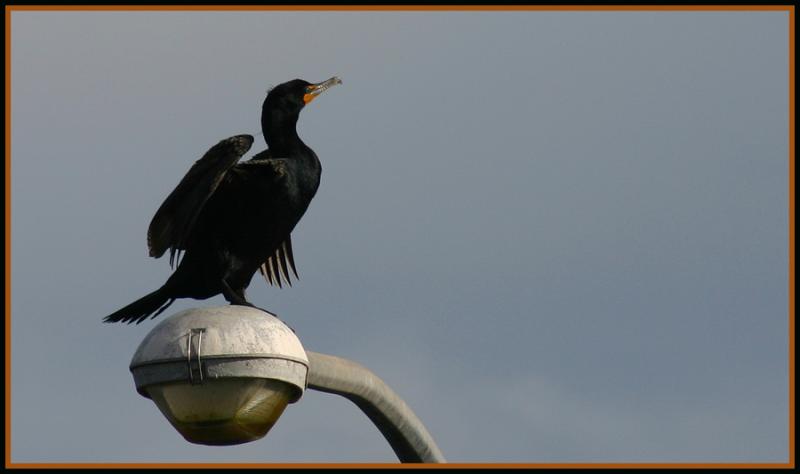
{"points": [[151, 305]]}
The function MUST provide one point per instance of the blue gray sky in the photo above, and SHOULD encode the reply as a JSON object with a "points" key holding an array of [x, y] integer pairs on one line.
{"points": [[559, 236]]}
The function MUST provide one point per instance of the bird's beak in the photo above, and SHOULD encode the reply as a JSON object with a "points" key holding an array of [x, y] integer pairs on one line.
{"points": [[315, 90]]}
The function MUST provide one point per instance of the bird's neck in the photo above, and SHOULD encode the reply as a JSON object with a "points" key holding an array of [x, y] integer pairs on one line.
{"points": [[280, 133]]}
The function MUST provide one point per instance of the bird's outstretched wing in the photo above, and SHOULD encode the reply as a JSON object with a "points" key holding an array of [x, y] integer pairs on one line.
{"points": [[173, 221]]}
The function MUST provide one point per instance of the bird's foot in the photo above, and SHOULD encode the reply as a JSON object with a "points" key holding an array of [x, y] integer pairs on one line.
{"points": [[251, 305]]}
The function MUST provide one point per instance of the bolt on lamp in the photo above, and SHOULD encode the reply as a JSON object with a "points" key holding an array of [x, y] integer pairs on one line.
{"points": [[224, 375]]}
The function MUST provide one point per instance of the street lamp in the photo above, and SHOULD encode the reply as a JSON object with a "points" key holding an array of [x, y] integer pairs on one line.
{"points": [[221, 375], [224, 375]]}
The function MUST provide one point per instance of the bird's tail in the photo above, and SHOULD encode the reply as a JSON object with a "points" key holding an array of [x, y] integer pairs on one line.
{"points": [[151, 305]]}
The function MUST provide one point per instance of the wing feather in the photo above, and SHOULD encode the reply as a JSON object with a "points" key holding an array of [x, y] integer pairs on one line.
{"points": [[264, 269], [278, 264], [287, 249], [282, 264], [275, 270]]}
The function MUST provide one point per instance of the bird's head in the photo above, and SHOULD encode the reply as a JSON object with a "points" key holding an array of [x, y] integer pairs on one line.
{"points": [[290, 97]]}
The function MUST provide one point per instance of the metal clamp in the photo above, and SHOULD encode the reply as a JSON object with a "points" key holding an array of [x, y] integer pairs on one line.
{"points": [[195, 367]]}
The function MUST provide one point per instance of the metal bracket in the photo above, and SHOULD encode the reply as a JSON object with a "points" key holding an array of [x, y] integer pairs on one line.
{"points": [[195, 367]]}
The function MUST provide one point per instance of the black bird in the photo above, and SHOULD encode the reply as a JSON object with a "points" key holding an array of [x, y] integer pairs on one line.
{"points": [[229, 219]]}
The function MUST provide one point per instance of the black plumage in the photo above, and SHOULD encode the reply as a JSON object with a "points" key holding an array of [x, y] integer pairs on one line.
{"points": [[227, 219]]}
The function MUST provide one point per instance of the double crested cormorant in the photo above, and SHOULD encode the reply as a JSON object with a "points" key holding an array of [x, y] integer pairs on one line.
{"points": [[229, 219]]}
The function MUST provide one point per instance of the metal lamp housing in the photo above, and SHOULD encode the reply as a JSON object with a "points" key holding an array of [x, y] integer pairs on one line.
{"points": [[221, 375]]}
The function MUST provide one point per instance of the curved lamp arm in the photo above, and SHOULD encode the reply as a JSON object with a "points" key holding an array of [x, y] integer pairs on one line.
{"points": [[404, 431]]}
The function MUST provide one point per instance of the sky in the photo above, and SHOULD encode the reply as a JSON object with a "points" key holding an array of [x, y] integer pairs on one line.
{"points": [[559, 236]]}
